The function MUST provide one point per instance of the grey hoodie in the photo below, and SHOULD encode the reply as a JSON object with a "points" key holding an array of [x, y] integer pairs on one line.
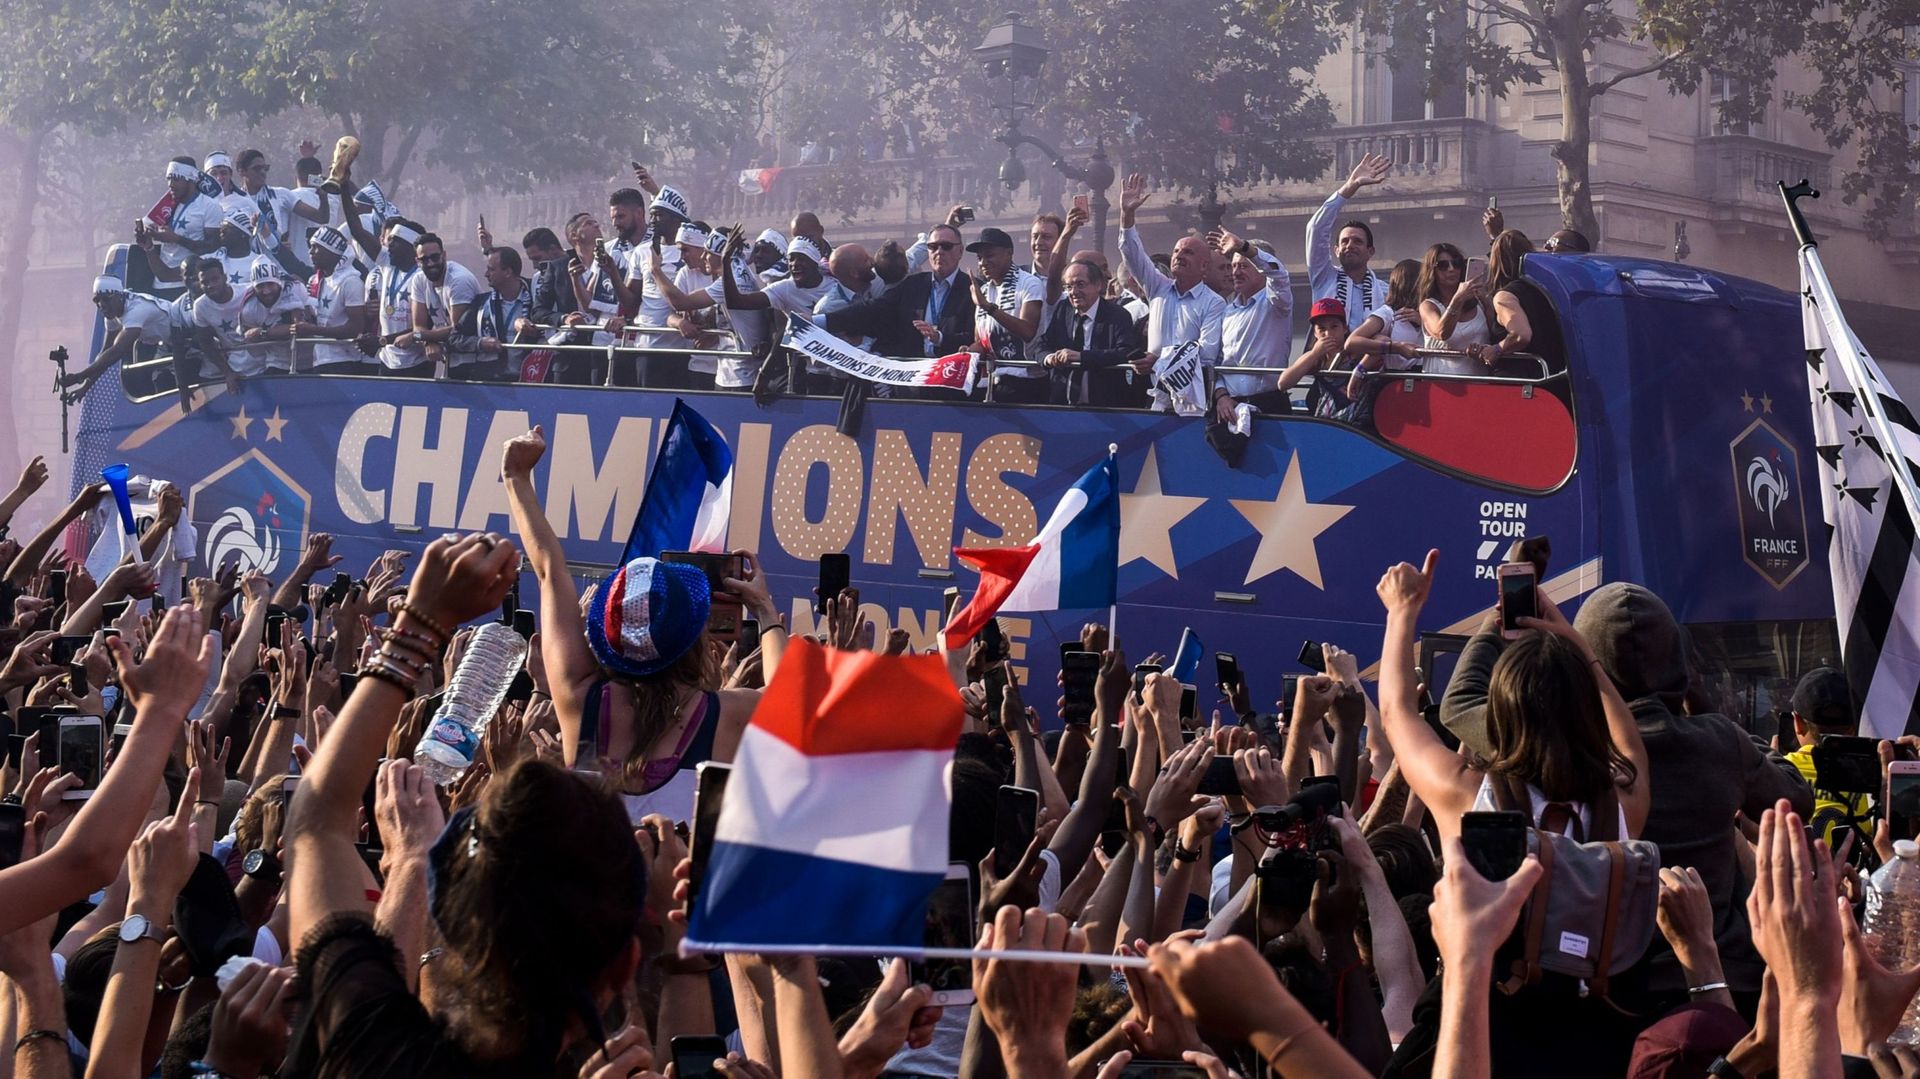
{"points": [[1704, 768]]}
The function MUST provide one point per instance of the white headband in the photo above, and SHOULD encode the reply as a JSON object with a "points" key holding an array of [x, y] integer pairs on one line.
{"points": [[107, 284], [180, 170], [405, 234], [692, 236], [217, 159], [328, 238]]}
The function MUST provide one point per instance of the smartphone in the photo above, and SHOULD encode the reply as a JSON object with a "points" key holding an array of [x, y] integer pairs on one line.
{"points": [[994, 641], [1162, 1069], [1493, 202], [524, 623], [963, 215], [347, 681], [46, 723], [1140, 673], [1517, 600], [1496, 842], [13, 831], [120, 732], [207, 921], [718, 567], [80, 750], [1189, 703], [1843, 764], [275, 619], [749, 636], [709, 788], [995, 681], [1082, 203], [16, 749], [77, 679], [1289, 686], [1015, 813], [1313, 656], [949, 602], [1476, 268], [1078, 673], [695, 1055], [950, 924], [1219, 777], [1903, 799], [483, 220], [337, 591], [1226, 671], [836, 573], [67, 647], [1267, 727], [57, 586]]}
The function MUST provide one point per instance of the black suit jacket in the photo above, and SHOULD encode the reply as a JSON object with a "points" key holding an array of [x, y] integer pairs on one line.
{"points": [[553, 295], [1116, 341], [889, 317]]}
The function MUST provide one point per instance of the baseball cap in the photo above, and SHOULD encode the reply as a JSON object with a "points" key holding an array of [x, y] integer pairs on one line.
{"points": [[1823, 699], [991, 237], [1328, 308]]}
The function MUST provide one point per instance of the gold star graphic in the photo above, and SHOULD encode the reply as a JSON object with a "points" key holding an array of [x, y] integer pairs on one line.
{"points": [[1766, 403], [241, 421], [1288, 527], [1746, 401], [275, 425], [1147, 518]]}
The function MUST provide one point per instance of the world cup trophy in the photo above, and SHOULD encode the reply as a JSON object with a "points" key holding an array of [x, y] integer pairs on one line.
{"points": [[344, 153]]}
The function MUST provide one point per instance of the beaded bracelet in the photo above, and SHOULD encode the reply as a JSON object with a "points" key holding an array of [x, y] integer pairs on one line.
{"points": [[407, 654], [395, 633], [407, 607], [392, 677], [408, 664]]}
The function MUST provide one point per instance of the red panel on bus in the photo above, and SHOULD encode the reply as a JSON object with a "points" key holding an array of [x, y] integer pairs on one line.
{"points": [[1493, 432]]}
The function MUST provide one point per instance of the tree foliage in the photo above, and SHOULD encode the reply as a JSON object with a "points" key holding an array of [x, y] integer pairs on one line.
{"points": [[1865, 53], [1193, 92]]}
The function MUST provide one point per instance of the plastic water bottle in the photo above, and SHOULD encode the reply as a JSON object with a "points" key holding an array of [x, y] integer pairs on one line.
{"points": [[480, 683], [1893, 923]]}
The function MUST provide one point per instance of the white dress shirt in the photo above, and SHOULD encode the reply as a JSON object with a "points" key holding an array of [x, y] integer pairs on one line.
{"points": [[1258, 331], [1174, 317], [1360, 294]]}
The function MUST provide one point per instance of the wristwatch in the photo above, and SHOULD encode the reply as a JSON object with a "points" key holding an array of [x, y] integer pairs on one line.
{"points": [[136, 928], [261, 865], [1722, 1068]]}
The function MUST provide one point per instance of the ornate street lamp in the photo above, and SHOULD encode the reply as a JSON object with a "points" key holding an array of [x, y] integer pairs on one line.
{"points": [[1015, 52]]}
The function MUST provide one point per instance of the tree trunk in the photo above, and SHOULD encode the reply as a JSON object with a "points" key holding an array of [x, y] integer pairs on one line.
{"points": [[1571, 150], [19, 238]]}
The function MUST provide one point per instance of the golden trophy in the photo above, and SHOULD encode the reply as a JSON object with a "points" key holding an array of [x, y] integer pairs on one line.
{"points": [[338, 173]]}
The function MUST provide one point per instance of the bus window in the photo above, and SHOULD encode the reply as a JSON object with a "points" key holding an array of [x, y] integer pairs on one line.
{"points": [[1747, 670]]}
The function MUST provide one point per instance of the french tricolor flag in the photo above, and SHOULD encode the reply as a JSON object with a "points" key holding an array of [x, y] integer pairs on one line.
{"points": [[1072, 564], [689, 495], [833, 830]]}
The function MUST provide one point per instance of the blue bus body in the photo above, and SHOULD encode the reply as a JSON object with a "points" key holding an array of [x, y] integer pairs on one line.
{"points": [[1677, 381]]}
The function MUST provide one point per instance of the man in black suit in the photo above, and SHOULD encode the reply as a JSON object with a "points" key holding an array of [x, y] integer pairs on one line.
{"points": [[926, 314], [1090, 342]]}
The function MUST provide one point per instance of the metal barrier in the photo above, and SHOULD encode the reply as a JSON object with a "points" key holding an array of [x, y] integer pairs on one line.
{"points": [[1407, 378]]}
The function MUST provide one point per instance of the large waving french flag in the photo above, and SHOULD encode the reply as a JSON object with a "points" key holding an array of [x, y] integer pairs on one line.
{"points": [[689, 495], [833, 831], [1073, 563]]}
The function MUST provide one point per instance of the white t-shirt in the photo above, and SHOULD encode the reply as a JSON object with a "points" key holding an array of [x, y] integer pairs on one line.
{"points": [[654, 308], [224, 319], [1401, 333], [192, 221], [394, 288], [146, 314], [690, 281], [1010, 295], [786, 295], [293, 303], [300, 229], [332, 296], [239, 268], [273, 204], [457, 288], [749, 328]]}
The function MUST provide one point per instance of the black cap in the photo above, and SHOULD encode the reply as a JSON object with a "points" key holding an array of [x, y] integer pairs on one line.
{"points": [[1823, 699], [991, 237]]}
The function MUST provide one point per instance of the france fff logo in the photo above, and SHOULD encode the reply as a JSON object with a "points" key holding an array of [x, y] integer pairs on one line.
{"points": [[1773, 517], [251, 512]]}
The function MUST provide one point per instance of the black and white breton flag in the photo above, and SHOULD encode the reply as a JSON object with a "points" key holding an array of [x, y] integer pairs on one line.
{"points": [[1869, 447]]}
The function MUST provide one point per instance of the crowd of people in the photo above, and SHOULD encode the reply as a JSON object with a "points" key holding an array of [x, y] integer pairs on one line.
{"points": [[250, 279], [1559, 868]]}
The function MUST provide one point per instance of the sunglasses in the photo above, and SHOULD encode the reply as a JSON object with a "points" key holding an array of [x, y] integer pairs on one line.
{"points": [[1446, 264], [942, 246], [433, 258]]}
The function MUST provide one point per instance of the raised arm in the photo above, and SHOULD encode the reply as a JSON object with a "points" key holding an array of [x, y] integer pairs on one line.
{"points": [[1133, 250], [32, 478], [1438, 775], [1057, 265], [1074, 841], [161, 689], [563, 636], [1371, 169], [737, 300], [458, 579], [27, 562]]}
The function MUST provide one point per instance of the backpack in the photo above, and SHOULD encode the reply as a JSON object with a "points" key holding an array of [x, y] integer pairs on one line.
{"points": [[1591, 916]]}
